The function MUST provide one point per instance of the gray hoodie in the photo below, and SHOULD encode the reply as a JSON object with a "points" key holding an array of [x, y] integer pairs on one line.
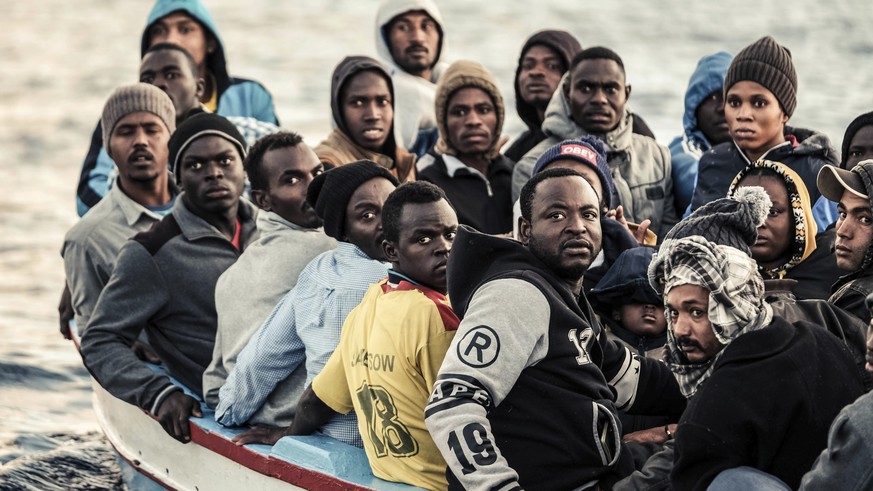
{"points": [[640, 166]]}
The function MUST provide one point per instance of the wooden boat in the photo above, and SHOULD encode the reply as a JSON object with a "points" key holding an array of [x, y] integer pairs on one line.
{"points": [[153, 460]]}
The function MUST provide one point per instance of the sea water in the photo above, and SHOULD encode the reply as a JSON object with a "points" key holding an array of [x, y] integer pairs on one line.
{"points": [[60, 59]]}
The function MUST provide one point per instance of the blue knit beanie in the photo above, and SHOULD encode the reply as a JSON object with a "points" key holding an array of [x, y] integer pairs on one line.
{"points": [[589, 151]]}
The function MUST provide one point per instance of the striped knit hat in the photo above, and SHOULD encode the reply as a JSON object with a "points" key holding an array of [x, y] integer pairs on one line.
{"points": [[768, 63]]}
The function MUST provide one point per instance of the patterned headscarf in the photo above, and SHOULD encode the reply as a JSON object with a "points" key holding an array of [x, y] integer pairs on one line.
{"points": [[736, 304], [805, 228]]}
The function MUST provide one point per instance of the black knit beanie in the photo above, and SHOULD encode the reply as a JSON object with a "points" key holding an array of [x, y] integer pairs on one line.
{"points": [[330, 192], [732, 222], [768, 63], [198, 126], [861, 121]]}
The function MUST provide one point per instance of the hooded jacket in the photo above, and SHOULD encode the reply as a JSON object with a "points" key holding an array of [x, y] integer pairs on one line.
{"points": [[534, 380], [687, 148], [640, 166], [850, 291], [234, 96], [413, 107], [481, 201], [565, 46], [805, 152], [814, 274], [339, 148]]}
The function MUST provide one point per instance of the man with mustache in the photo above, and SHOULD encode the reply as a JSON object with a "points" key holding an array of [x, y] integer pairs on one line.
{"points": [[280, 168], [528, 394], [138, 121], [466, 162], [703, 123], [294, 343], [853, 247], [164, 278], [593, 100], [409, 38], [392, 346], [762, 390]]}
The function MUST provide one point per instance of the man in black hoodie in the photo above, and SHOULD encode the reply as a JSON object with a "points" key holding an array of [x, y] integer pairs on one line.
{"points": [[539, 376]]}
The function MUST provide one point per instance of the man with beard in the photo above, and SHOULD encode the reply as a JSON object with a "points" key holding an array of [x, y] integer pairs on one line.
{"points": [[138, 120], [280, 167], [528, 394], [164, 278], [727, 349], [410, 39], [302, 331]]}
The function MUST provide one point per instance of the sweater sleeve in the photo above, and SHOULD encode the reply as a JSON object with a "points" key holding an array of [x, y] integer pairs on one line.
{"points": [[136, 292], [494, 343], [273, 352]]}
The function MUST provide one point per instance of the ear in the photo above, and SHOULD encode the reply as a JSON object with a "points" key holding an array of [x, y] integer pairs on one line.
{"points": [[390, 251], [211, 44], [524, 231], [616, 315], [627, 91], [201, 88], [262, 199]]}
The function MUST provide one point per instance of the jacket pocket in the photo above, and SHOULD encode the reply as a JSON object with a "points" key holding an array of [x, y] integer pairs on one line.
{"points": [[607, 434]]}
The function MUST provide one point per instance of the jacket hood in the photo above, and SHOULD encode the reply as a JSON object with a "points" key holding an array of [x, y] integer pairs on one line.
{"points": [[215, 61], [391, 9], [707, 78], [561, 42], [350, 66], [805, 228], [810, 142], [461, 74], [477, 258]]}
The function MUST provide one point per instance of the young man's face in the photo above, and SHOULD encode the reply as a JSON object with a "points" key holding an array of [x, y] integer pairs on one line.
{"points": [[170, 71], [138, 145], [363, 225], [471, 121], [755, 118], [289, 171], [597, 95], [182, 30], [540, 74], [367, 109], [710, 118], [414, 40], [427, 231], [854, 231], [564, 230], [861, 147], [212, 175], [869, 364], [688, 308], [642, 319], [776, 235]]}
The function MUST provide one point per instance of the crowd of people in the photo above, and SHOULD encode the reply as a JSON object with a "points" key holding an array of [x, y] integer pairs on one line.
{"points": [[577, 307]]}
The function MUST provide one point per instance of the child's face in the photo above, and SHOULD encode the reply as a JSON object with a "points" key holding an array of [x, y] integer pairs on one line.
{"points": [[642, 319]]}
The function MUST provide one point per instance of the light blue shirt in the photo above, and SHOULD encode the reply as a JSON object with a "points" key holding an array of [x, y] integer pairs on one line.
{"points": [[304, 326]]}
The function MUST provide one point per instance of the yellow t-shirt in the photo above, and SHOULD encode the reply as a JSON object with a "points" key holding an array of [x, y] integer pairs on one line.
{"points": [[390, 351]]}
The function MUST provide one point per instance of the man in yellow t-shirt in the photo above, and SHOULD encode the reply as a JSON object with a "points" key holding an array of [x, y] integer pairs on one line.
{"points": [[392, 346]]}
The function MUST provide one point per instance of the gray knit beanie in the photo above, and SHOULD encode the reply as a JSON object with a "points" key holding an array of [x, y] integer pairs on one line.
{"points": [[768, 63], [129, 99], [732, 222]]}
